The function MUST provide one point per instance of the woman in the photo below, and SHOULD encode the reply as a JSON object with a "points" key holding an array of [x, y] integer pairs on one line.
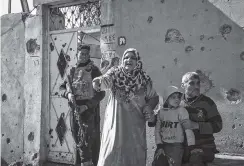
{"points": [[130, 104]]}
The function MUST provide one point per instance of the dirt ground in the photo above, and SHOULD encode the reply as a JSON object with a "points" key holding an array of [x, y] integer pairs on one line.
{"points": [[217, 162]]}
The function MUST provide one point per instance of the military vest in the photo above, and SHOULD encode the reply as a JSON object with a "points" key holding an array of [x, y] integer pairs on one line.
{"points": [[82, 84]]}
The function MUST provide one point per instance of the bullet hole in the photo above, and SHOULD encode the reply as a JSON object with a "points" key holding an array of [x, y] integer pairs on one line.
{"points": [[67, 57], [63, 45], [211, 38], [16, 124], [2, 135], [29, 165], [8, 141], [194, 15], [56, 93], [206, 10], [163, 67], [60, 154], [47, 145], [174, 36], [16, 63], [240, 124], [53, 145], [203, 1], [233, 96], [206, 82], [32, 46], [202, 37], [70, 49], [4, 97], [31, 136], [17, 146], [175, 61], [202, 48], [50, 131], [242, 56], [19, 97], [233, 126], [162, 1], [188, 49], [51, 46], [149, 20], [241, 146], [153, 147], [55, 38], [60, 21], [34, 156], [225, 29], [51, 136], [12, 151], [23, 152]]}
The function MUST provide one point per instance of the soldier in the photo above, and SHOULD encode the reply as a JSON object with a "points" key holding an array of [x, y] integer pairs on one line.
{"points": [[84, 101]]}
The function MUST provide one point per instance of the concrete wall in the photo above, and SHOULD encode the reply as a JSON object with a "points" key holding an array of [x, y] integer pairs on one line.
{"points": [[232, 8], [21, 88], [177, 36], [12, 87]]}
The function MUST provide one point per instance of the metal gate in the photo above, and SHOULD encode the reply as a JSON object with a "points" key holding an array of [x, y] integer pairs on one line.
{"points": [[65, 34]]}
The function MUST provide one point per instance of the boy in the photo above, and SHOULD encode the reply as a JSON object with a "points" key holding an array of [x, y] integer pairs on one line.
{"points": [[169, 134]]}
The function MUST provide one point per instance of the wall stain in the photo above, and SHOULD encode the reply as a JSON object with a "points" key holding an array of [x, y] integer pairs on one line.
{"points": [[31, 136], [225, 30], [149, 20], [4, 97], [173, 36], [202, 37], [8, 140], [233, 96], [51, 46], [162, 1], [242, 56], [50, 131], [32, 46], [206, 82], [175, 61], [188, 49]]}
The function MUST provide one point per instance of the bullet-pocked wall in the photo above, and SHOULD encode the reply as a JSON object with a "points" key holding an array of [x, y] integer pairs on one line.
{"points": [[12, 87], [21, 65], [177, 36]]}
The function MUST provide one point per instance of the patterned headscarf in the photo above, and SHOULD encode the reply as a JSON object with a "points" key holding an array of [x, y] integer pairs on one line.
{"points": [[129, 83]]}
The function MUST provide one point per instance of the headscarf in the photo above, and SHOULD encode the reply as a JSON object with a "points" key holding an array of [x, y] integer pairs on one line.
{"points": [[129, 82]]}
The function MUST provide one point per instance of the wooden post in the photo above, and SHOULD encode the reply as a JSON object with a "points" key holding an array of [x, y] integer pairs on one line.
{"points": [[9, 6]]}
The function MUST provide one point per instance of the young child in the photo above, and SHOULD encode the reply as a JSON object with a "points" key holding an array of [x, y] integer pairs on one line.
{"points": [[169, 133]]}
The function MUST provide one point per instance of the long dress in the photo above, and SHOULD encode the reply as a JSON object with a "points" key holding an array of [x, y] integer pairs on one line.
{"points": [[124, 132]]}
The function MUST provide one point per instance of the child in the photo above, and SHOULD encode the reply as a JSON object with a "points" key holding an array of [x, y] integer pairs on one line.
{"points": [[169, 134]]}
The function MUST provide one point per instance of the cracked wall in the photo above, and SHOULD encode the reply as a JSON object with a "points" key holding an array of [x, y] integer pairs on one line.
{"points": [[177, 36]]}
